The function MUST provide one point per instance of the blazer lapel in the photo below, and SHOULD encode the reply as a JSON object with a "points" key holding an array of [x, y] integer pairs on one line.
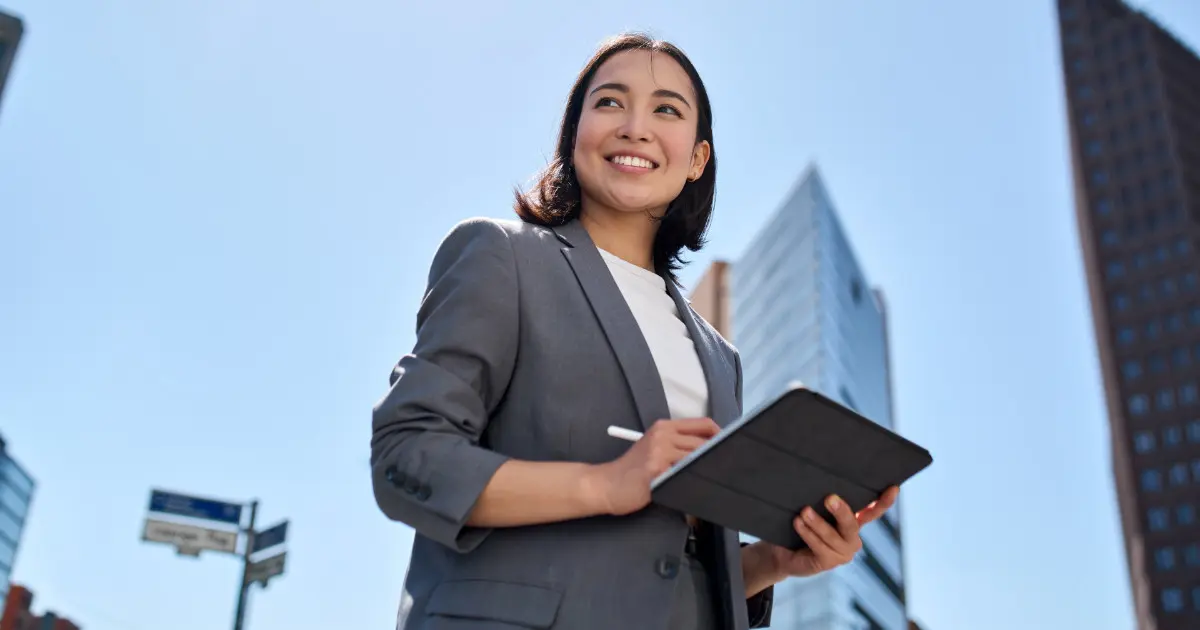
{"points": [[622, 330], [718, 374]]}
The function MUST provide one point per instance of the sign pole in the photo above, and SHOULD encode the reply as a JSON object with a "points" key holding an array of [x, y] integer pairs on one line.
{"points": [[240, 614]]}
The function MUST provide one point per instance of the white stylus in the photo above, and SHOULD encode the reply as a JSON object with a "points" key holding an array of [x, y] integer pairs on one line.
{"points": [[624, 434]]}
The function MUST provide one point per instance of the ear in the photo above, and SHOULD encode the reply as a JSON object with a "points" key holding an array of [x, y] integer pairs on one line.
{"points": [[700, 156]]}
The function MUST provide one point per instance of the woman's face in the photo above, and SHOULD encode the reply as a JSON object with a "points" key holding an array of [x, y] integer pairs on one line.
{"points": [[635, 147]]}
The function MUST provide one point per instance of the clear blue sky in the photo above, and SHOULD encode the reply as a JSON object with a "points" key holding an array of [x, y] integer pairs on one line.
{"points": [[217, 217]]}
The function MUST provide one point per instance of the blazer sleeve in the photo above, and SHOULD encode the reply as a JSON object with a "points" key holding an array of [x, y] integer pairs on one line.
{"points": [[427, 465], [761, 604]]}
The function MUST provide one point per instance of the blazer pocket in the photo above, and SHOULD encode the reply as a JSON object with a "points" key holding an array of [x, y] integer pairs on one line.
{"points": [[523, 605]]}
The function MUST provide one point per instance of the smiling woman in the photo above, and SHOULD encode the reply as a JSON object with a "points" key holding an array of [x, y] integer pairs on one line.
{"points": [[636, 137], [537, 336]]}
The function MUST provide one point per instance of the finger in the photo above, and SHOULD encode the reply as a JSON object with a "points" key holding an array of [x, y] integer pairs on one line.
{"points": [[702, 427], [832, 538], [825, 555], [688, 443], [847, 523], [879, 506]]}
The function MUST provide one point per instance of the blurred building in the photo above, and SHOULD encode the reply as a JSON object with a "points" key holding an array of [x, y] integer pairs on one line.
{"points": [[1133, 111], [710, 298], [19, 616], [16, 492], [11, 29], [801, 309]]}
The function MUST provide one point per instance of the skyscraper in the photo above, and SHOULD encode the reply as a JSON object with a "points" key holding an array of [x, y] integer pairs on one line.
{"points": [[801, 310], [1133, 112], [11, 29], [16, 492]]}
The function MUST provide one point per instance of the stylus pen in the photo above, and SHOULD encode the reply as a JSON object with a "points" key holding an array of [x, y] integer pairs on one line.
{"points": [[624, 434]]}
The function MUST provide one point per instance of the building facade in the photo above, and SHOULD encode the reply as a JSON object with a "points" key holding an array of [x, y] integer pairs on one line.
{"points": [[11, 30], [800, 308], [16, 493], [1133, 113]]}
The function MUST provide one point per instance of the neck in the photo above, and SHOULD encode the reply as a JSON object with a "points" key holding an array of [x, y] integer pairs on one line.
{"points": [[627, 235]]}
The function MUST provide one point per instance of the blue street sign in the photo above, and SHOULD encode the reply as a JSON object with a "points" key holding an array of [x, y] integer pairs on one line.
{"points": [[183, 505], [268, 538]]}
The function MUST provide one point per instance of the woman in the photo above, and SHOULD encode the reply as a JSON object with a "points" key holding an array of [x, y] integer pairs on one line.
{"points": [[533, 338]]}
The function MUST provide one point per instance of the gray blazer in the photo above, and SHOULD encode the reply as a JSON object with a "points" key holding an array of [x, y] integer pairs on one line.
{"points": [[526, 349]]}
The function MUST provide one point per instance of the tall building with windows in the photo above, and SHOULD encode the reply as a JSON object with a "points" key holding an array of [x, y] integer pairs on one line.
{"points": [[800, 308], [16, 493], [11, 29], [1133, 112]]}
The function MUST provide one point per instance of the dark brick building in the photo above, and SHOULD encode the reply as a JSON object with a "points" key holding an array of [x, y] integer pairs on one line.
{"points": [[1133, 110]]}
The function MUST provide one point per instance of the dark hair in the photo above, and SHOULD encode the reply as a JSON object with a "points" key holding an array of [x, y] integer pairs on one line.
{"points": [[555, 197]]}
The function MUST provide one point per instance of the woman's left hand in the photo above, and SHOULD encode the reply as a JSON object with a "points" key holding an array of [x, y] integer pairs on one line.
{"points": [[829, 547]]}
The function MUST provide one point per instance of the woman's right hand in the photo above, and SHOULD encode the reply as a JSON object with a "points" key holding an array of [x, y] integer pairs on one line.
{"points": [[624, 484]]}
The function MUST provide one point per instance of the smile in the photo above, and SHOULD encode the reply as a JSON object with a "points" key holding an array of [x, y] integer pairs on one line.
{"points": [[632, 163]]}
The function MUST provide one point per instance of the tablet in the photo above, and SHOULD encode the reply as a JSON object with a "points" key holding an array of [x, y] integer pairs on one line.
{"points": [[759, 472]]}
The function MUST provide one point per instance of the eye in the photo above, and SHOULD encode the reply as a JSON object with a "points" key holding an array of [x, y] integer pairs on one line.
{"points": [[607, 101], [669, 109]]}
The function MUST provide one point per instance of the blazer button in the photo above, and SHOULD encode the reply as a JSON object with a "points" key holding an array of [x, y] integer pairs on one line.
{"points": [[667, 567], [423, 493], [411, 486], [394, 477]]}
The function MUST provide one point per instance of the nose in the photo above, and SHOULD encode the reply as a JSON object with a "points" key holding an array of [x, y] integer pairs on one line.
{"points": [[635, 128]]}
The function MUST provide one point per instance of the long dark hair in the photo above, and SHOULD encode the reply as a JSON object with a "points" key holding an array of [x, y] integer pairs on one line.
{"points": [[555, 197]]}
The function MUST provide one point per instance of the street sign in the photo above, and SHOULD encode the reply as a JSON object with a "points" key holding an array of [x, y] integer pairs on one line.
{"points": [[195, 507], [188, 538], [270, 537], [264, 570]]}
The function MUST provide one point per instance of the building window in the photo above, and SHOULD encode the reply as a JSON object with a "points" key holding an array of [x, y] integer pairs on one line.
{"points": [[1085, 92], [1196, 597], [1158, 362], [1151, 480], [1178, 475], [1143, 442], [1131, 369], [1116, 269], [1127, 335], [1185, 514], [1182, 246], [1109, 237], [1196, 470], [1169, 288], [1172, 436], [1159, 519], [1172, 599], [1193, 431], [1161, 253], [1164, 558], [1093, 148], [1182, 356], [1146, 293], [1089, 119], [1194, 316], [1188, 394], [1175, 323], [1165, 400], [1104, 207], [1139, 404], [856, 291], [1120, 302], [1189, 281], [1191, 555]]}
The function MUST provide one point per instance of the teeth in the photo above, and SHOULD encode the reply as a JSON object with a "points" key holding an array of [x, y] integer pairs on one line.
{"points": [[628, 160]]}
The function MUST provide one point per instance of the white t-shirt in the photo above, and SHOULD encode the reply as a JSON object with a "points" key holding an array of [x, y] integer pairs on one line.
{"points": [[672, 348]]}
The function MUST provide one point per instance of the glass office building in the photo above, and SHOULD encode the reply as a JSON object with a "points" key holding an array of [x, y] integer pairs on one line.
{"points": [[803, 310], [16, 493]]}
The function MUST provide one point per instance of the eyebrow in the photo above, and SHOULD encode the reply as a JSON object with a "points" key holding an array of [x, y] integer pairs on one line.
{"points": [[661, 93]]}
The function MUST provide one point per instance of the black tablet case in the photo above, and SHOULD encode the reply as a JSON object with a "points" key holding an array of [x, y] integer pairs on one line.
{"points": [[759, 472]]}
